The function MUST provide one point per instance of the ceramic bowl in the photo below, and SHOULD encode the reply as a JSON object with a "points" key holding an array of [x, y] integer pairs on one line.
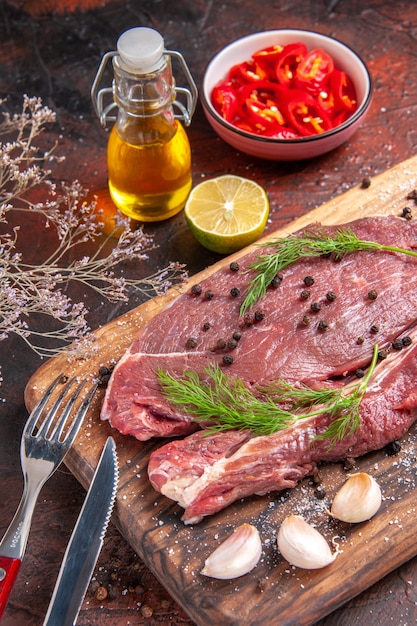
{"points": [[287, 149]]}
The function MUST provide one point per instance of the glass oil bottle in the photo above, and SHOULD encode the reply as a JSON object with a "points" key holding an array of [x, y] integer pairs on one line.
{"points": [[148, 151]]}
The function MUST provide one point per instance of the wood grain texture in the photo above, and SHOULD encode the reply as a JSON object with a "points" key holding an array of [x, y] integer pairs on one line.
{"points": [[273, 593]]}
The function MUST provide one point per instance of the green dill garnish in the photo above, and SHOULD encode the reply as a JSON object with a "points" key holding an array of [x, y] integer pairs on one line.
{"points": [[290, 249], [224, 403]]}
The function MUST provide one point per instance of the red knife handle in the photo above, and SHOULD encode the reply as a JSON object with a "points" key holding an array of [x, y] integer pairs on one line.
{"points": [[9, 569]]}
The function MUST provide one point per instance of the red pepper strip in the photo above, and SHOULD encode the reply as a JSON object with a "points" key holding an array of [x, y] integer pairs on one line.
{"points": [[326, 100], [305, 115], [343, 91], [260, 104], [314, 70], [264, 114], [267, 58], [288, 61], [246, 72], [224, 100]]}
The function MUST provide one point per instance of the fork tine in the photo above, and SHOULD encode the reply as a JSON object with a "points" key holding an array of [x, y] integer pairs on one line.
{"points": [[37, 410], [59, 426], [43, 427], [77, 421]]}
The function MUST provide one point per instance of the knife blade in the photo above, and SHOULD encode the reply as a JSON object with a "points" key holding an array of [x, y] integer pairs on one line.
{"points": [[85, 543]]}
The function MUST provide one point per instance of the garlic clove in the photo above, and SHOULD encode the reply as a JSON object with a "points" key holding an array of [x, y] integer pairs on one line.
{"points": [[236, 556], [358, 499], [302, 545]]}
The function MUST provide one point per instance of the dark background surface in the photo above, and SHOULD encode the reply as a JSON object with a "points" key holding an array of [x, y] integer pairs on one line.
{"points": [[52, 49]]}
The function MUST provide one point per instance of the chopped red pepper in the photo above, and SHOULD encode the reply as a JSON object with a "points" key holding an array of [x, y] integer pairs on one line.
{"points": [[247, 72], [285, 92], [314, 70], [288, 61], [343, 91], [305, 114], [225, 100]]}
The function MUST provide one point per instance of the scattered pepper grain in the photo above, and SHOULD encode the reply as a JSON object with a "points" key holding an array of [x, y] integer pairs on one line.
{"points": [[365, 183], [308, 281], [372, 294], [406, 341], [234, 267], [322, 325], [228, 359], [259, 316], [235, 292], [315, 307], [397, 345], [208, 295], [237, 336], [196, 290], [305, 294], [360, 340], [331, 296], [406, 213], [191, 342], [276, 281], [374, 329]]}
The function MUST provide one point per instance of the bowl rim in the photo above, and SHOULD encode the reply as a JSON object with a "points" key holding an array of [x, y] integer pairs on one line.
{"points": [[298, 140]]}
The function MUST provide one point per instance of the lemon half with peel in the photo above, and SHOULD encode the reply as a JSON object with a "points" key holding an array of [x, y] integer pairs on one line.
{"points": [[227, 213]]}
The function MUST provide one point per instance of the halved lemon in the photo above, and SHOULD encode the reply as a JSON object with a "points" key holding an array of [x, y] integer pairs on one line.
{"points": [[227, 213]]}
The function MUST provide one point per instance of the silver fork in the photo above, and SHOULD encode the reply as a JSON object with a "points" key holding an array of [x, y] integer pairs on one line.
{"points": [[44, 445]]}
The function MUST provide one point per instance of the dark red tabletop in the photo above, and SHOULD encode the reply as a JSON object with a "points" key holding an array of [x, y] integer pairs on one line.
{"points": [[52, 49]]}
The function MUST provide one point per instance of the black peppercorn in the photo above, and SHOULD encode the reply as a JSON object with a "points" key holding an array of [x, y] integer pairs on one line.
{"points": [[305, 294], [306, 320], [234, 267], [221, 344], [308, 281], [359, 373], [208, 295], [382, 354], [374, 329], [206, 325], [412, 195], [276, 281], [407, 213], [191, 342], [234, 292], [231, 344], [397, 345], [394, 447], [248, 319], [196, 290], [259, 316], [331, 296], [315, 306], [360, 341], [372, 294], [227, 359], [366, 183], [406, 341], [322, 325], [237, 336]]}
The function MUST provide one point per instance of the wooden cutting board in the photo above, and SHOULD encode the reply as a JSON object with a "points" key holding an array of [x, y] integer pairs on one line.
{"points": [[273, 593]]}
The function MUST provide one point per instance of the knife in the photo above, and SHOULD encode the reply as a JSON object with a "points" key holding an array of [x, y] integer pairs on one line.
{"points": [[86, 541]]}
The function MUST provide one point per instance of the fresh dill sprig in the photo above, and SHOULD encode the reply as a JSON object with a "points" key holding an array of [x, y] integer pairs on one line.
{"points": [[224, 403], [288, 250]]}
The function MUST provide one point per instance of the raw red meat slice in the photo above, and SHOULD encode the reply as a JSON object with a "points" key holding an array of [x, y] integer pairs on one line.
{"points": [[188, 333], [206, 472]]}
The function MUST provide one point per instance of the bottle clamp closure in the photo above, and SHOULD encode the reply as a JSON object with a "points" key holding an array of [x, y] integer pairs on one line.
{"points": [[103, 111]]}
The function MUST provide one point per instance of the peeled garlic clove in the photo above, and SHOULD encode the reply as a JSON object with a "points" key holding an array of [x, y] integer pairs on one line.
{"points": [[237, 555], [302, 545], [358, 499]]}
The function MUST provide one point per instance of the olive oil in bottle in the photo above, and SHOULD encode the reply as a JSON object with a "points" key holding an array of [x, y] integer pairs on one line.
{"points": [[148, 153]]}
